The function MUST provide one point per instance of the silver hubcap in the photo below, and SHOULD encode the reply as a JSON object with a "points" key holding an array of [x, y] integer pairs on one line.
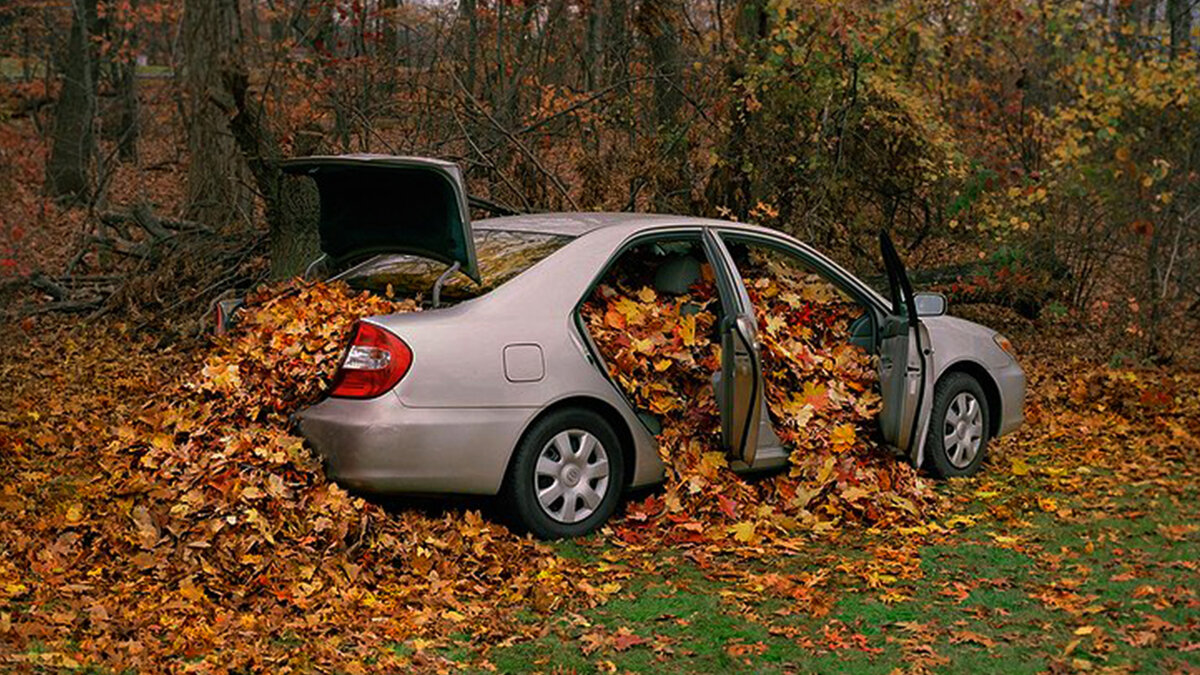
{"points": [[571, 476], [963, 430]]}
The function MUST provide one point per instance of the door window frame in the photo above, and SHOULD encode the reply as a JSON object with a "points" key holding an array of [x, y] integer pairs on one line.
{"points": [[740, 304], [827, 269], [669, 232]]}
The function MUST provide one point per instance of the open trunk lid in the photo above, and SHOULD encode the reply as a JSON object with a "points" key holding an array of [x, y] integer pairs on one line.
{"points": [[373, 204]]}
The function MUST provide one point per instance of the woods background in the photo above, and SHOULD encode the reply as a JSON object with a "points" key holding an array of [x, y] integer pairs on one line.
{"points": [[1041, 156]]}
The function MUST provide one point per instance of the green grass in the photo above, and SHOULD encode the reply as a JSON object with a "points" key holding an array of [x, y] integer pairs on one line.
{"points": [[980, 606]]}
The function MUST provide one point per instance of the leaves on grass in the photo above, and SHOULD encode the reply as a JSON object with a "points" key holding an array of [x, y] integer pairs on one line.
{"points": [[156, 513], [210, 531]]}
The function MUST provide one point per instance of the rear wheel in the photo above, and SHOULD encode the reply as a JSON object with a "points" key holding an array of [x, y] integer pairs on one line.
{"points": [[958, 432], [566, 475]]}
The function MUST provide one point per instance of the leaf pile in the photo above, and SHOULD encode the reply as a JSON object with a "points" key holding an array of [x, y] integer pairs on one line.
{"points": [[195, 532], [820, 391], [212, 534]]}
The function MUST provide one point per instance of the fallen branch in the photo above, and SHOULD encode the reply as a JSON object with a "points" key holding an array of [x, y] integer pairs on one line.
{"points": [[67, 306], [142, 216], [119, 246], [45, 284]]}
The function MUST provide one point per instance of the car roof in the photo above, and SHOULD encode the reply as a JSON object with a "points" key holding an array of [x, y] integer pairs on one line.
{"points": [[580, 223], [615, 227]]}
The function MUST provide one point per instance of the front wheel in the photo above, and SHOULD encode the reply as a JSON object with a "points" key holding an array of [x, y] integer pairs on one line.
{"points": [[958, 432], [566, 475]]}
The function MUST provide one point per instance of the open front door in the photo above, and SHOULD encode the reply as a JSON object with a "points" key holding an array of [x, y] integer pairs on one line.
{"points": [[904, 361], [739, 387]]}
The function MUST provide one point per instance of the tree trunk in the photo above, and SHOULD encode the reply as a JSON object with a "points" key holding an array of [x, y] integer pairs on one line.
{"points": [[593, 50], [616, 44], [127, 90], [556, 41], [658, 21], [730, 186], [469, 13], [291, 202], [74, 144], [1179, 15], [216, 179], [391, 38]]}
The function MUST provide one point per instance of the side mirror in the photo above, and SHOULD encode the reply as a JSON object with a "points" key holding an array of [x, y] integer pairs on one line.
{"points": [[930, 304]]}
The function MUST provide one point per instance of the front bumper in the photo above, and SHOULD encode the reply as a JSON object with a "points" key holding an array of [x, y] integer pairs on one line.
{"points": [[1010, 380], [380, 445]]}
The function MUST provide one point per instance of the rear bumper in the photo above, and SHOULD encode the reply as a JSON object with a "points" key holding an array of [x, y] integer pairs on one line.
{"points": [[380, 445], [1010, 380]]}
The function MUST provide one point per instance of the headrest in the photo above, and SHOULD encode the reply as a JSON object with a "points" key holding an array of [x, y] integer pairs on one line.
{"points": [[676, 274]]}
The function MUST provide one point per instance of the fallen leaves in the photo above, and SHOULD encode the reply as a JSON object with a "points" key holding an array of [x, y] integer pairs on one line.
{"points": [[154, 505], [209, 528], [821, 397]]}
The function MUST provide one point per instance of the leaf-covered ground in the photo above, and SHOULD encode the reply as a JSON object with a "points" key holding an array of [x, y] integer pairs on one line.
{"points": [[156, 515], [1076, 550]]}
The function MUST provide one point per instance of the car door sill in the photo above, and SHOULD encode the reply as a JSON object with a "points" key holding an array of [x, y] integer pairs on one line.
{"points": [[766, 459]]}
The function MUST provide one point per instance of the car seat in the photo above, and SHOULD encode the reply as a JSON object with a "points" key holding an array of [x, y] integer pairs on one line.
{"points": [[676, 274]]}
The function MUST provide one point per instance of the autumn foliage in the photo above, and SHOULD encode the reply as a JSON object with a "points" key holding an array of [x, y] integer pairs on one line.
{"points": [[212, 531], [821, 392], [213, 528], [158, 512], [159, 515]]}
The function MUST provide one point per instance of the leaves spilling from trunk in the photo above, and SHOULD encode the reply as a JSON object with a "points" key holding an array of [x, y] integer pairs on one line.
{"points": [[212, 532]]}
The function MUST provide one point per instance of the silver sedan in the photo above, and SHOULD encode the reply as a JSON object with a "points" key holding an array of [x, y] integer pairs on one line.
{"points": [[506, 393]]}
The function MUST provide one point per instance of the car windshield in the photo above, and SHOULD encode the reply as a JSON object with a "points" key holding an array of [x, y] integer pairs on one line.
{"points": [[502, 255]]}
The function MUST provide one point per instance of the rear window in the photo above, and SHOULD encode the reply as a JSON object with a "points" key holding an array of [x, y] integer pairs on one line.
{"points": [[502, 255]]}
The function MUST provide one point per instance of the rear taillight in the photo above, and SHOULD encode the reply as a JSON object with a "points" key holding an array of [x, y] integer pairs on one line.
{"points": [[374, 363]]}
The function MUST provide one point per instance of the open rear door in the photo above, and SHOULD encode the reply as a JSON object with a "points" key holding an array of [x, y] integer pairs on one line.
{"points": [[904, 361], [740, 386]]}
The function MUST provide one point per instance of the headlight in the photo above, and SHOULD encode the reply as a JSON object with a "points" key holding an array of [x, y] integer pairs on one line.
{"points": [[1004, 343]]}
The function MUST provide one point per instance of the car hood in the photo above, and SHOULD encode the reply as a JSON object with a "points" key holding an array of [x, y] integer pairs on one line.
{"points": [[373, 204], [953, 324], [956, 339]]}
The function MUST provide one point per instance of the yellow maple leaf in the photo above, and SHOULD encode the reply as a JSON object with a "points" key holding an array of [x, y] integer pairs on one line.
{"points": [[687, 329], [629, 309], [775, 324], [75, 514], [743, 531], [815, 394], [843, 436], [1019, 467]]}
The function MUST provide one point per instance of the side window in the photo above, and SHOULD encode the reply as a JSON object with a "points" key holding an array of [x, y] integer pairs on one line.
{"points": [[769, 272], [653, 318], [807, 324], [787, 291]]}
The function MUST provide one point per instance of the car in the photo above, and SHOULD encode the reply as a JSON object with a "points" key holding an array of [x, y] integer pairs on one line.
{"points": [[505, 393]]}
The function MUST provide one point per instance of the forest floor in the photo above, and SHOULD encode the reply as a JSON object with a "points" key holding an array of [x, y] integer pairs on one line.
{"points": [[1076, 549], [1098, 577]]}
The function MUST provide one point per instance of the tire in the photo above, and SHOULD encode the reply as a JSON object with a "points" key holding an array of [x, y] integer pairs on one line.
{"points": [[958, 431], [557, 457]]}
